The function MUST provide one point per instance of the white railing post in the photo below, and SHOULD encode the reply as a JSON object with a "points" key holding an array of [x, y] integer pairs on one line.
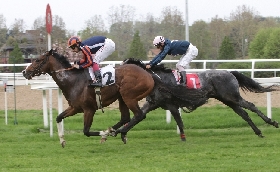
{"points": [[268, 108], [253, 68], [168, 116], [204, 65]]}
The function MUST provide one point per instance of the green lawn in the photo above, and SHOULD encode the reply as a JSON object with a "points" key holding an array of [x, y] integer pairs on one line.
{"points": [[217, 140]]}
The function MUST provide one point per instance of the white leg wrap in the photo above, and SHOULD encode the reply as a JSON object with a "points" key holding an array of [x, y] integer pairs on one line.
{"points": [[104, 134], [60, 132]]}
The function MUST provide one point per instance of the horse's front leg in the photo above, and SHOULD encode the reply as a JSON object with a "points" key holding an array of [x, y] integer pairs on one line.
{"points": [[70, 111], [125, 118], [88, 119]]}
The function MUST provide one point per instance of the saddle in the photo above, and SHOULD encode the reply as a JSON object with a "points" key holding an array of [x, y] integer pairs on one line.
{"points": [[108, 78], [192, 79], [107, 74]]}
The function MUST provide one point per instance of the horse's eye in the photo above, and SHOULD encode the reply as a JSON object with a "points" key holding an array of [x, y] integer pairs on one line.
{"points": [[37, 60]]}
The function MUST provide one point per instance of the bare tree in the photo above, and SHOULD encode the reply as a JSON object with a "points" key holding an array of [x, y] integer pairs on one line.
{"points": [[18, 26], [121, 21], [2, 21], [244, 27], [39, 23], [172, 23], [218, 29], [148, 28], [93, 26], [3, 30]]}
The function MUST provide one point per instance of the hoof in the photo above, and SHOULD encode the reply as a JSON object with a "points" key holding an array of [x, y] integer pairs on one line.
{"points": [[115, 133], [261, 136], [112, 132], [124, 138], [276, 124], [63, 144], [183, 137], [103, 140]]}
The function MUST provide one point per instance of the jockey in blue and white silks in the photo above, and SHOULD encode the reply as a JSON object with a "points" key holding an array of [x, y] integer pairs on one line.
{"points": [[174, 48]]}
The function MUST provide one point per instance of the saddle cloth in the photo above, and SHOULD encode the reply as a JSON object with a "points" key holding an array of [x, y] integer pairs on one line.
{"points": [[192, 79], [107, 73]]}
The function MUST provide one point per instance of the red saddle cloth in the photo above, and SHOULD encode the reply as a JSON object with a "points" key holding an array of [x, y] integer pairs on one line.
{"points": [[192, 79]]}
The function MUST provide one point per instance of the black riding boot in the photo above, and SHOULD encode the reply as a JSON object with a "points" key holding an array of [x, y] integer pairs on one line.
{"points": [[98, 79], [183, 78]]}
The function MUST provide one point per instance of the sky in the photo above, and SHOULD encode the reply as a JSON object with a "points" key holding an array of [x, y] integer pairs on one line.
{"points": [[74, 13]]}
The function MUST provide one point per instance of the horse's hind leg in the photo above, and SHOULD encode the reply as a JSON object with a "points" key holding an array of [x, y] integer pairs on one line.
{"points": [[125, 118], [244, 115], [147, 107], [138, 116], [250, 106], [125, 115], [176, 115]]}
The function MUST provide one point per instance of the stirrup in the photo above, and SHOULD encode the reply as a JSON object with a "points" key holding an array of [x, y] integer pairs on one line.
{"points": [[182, 83], [95, 84]]}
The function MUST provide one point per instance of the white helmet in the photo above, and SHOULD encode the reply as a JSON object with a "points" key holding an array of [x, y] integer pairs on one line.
{"points": [[158, 39]]}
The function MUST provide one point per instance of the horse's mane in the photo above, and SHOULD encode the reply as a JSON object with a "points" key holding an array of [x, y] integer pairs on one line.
{"points": [[140, 63], [62, 59]]}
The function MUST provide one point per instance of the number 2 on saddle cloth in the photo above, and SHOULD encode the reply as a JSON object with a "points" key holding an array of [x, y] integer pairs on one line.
{"points": [[192, 79]]}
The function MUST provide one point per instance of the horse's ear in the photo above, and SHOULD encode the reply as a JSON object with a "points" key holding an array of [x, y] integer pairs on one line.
{"points": [[51, 52]]}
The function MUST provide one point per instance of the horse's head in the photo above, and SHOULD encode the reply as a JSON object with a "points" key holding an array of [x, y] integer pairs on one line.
{"points": [[46, 63]]}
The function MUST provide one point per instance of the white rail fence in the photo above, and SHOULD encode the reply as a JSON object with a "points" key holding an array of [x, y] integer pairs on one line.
{"points": [[45, 82]]}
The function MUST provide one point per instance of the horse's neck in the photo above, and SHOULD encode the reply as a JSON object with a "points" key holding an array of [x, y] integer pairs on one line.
{"points": [[68, 80]]}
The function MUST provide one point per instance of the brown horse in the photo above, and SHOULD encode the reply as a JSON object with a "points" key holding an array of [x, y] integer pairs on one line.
{"points": [[132, 83], [73, 83]]}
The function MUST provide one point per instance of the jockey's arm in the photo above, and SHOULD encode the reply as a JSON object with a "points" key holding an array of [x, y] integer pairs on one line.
{"points": [[87, 62], [158, 58]]}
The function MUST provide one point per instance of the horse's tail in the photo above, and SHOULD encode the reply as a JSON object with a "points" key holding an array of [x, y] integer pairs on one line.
{"points": [[190, 98], [248, 84]]}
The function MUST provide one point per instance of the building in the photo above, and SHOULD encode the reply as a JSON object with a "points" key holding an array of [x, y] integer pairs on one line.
{"points": [[32, 43]]}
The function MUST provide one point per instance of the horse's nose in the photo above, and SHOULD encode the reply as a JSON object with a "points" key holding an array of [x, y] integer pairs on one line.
{"points": [[23, 73]]}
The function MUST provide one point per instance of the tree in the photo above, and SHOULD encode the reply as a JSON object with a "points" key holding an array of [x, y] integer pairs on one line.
{"points": [[3, 30], [148, 28], [16, 57], [58, 30], [172, 24], [271, 49], [121, 21], [244, 28], [218, 31], [136, 49], [256, 48], [18, 26], [226, 51], [39, 23], [200, 37], [94, 26]]}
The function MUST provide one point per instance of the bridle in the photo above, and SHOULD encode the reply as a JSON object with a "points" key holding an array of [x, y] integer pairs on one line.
{"points": [[37, 69]]}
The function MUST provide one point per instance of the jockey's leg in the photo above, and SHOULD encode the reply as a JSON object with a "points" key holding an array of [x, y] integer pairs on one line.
{"points": [[98, 77], [184, 62], [182, 71]]}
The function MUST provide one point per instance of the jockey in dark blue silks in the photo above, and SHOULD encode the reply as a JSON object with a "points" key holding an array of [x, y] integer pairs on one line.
{"points": [[95, 50], [174, 48]]}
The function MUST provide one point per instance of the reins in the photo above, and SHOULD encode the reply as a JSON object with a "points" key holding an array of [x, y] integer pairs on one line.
{"points": [[154, 73], [60, 70]]}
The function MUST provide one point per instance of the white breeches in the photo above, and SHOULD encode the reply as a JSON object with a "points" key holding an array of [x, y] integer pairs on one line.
{"points": [[185, 60], [105, 51]]}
